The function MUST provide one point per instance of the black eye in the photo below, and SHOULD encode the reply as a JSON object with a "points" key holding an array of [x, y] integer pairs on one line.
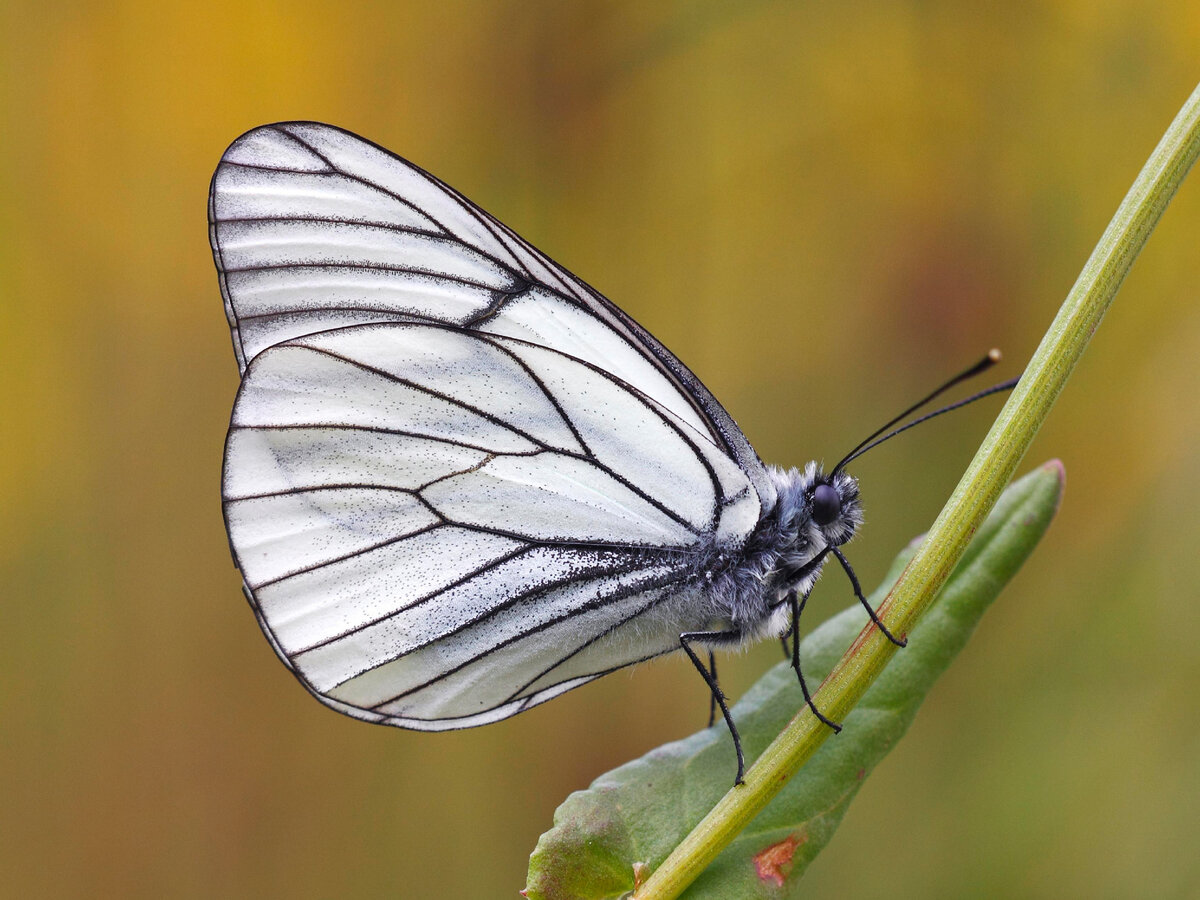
{"points": [[826, 504]]}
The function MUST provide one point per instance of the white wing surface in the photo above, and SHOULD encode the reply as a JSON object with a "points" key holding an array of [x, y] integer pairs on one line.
{"points": [[458, 481]]}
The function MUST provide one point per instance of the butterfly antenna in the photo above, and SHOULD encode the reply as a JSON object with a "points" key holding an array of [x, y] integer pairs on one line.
{"points": [[994, 389], [992, 357]]}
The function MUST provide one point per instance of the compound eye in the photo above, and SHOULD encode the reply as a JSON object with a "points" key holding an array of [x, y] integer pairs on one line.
{"points": [[826, 504]]}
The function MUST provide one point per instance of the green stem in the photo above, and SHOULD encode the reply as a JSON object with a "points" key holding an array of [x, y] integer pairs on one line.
{"points": [[988, 473]]}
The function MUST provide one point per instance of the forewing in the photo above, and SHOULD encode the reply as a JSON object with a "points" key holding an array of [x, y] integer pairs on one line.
{"points": [[436, 526], [314, 228]]}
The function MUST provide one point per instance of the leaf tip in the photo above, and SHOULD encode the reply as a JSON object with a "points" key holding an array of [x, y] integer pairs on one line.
{"points": [[1056, 470]]}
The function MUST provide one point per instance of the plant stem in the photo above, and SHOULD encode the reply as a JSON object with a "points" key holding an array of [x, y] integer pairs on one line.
{"points": [[991, 469]]}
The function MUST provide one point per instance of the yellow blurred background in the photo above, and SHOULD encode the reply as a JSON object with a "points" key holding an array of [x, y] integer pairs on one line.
{"points": [[822, 208]]}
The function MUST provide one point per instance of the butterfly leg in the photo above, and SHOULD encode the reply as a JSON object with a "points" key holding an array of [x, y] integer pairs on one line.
{"points": [[899, 642], [712, 698], [797, 608], [710, 678], [783, 641]]}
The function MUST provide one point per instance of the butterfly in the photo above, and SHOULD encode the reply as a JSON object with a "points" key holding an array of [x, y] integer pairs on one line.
{"points": [[458, 481]]}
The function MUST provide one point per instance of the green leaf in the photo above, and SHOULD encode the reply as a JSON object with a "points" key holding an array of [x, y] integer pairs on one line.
{"points": [[631, 817]]}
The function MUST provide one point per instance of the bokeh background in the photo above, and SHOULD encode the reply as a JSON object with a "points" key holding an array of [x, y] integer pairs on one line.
{"points": [[822, 208]]}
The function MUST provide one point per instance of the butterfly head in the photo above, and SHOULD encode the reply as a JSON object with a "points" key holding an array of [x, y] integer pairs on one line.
{"points": [[825, 507], [815, 510]]}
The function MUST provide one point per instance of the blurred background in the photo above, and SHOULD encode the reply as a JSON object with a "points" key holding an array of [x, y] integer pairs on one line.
{"points": [[823, 209]]}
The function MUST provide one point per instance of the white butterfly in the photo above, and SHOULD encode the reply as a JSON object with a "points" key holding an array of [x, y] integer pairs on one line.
{"points": [[458, 481]]}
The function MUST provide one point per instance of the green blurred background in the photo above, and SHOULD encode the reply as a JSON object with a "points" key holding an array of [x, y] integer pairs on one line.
{"points": [[823, 209]]}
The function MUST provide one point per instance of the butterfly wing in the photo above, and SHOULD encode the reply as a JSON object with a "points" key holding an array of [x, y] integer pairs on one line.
{"points": [[313, 227], [457, 480]]}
